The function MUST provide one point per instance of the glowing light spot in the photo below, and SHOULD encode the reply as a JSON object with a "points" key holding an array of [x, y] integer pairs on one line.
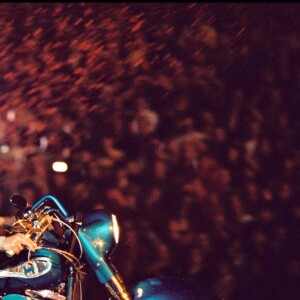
{"points": [[139, 292], [4, 148], [11, 115], [99, 244], [116, 230], [59, 166]]}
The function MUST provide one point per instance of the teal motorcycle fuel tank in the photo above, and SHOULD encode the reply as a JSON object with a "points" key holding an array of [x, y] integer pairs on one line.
{"points": [[44, 269]]}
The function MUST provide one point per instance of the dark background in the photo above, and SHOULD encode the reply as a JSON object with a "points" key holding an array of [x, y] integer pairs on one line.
{"points": [[182, 119]]}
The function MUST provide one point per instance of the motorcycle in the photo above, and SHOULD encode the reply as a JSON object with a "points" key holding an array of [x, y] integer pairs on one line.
{"points": [[66, 246]]}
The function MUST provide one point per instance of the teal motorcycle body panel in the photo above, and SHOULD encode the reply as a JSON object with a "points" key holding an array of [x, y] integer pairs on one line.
{"points": [[14, 297], [168, 289], [44, 269], [96, 236]]}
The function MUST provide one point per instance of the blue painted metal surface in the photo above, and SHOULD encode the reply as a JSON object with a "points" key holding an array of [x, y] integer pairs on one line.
{"points": [[38, 275], [14, 297], [167, 289], [96, 236]]}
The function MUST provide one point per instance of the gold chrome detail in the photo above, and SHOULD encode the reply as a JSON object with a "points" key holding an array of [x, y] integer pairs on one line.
{"points": [[99, 243], [117, 288], [32, 229]]}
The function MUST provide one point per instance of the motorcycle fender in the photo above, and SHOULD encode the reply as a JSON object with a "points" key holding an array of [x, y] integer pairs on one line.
{"points": [[165, 289], [14, 297]]}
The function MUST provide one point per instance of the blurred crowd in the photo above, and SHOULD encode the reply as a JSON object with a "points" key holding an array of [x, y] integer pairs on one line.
{"points": [[180, 118]]}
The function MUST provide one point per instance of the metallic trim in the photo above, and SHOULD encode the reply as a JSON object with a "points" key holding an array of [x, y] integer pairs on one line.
{"points": [[30, 269], [48, 294], [2, 239], [117, 288]]}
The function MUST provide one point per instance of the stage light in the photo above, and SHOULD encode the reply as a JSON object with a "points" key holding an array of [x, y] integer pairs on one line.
{"points": [[4, 148], [59, 166], [11, 115]]}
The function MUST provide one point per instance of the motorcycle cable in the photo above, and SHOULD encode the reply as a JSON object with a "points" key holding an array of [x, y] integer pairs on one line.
{"points": [[72, 275], [73, 231]]}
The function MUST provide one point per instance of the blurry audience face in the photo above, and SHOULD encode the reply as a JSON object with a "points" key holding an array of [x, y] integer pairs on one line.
{"points": [[153, 198], [265, 146], [145, 125], [208, 119], [134, 167], [130, 201], [206, 163], [81, 190], [30, 195], [141, 104], [201, 146], [196, 258], [252, 189], [60, 180], [115, 195], [94, 170], [288, 166], [266, 215], [254, 129], [259, 238], [233, 154], [86, 156], [283, 120], [285, 192], [189, 152], [225, 177], [219, 219], [205, 242], [160, 169], [180, 231], [220, 135], [107, 142], [280, 235], [237, 205]]}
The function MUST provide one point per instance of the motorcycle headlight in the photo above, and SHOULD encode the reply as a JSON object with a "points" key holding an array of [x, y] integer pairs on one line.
{"points": [[116, 228], [99, 234]]}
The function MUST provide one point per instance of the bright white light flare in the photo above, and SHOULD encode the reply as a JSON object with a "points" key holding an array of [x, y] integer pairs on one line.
{"points": [[59, 166]]}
